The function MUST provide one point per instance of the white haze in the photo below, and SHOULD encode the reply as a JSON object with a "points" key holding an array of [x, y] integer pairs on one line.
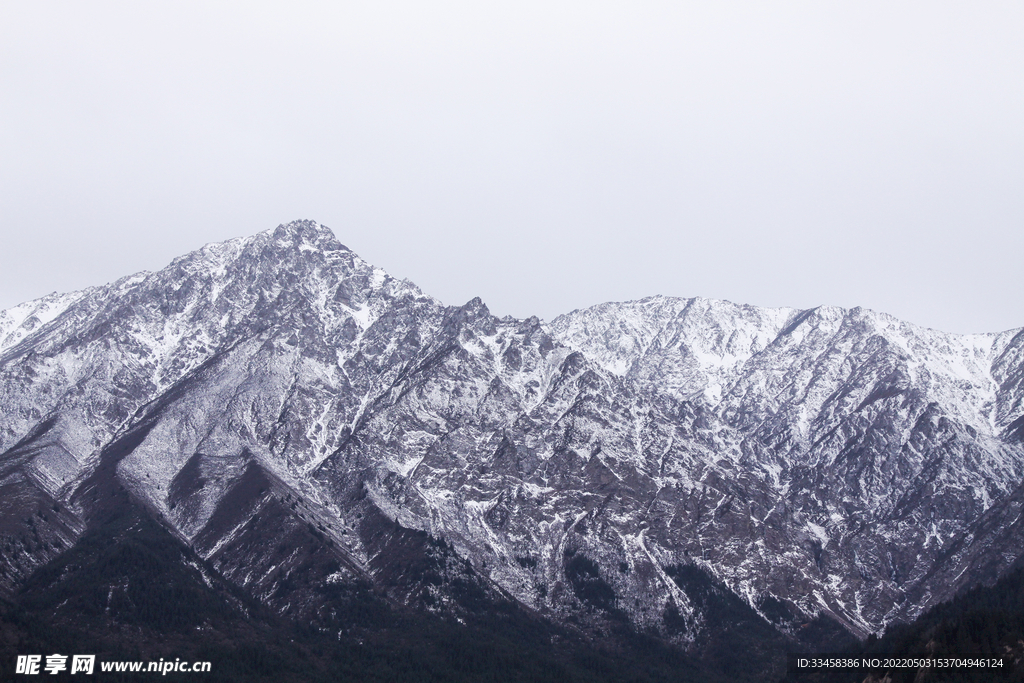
{"points": [[544, 156]]}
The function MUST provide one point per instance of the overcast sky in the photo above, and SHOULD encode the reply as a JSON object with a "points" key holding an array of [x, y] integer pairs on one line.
{"points": [[544, 156]]}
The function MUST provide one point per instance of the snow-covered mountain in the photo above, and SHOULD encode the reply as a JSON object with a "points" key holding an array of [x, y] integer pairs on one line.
{"points": [[826, 468]]}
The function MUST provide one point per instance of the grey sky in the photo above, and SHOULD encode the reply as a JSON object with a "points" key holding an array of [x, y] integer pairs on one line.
{"points": [[544, 156]]}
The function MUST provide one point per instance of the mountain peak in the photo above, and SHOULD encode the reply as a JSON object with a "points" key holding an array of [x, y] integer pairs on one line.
{"points": [[306, 232]]}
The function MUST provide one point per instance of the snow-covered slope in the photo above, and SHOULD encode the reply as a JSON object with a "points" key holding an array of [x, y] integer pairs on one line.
{"points": [[873, 444]]}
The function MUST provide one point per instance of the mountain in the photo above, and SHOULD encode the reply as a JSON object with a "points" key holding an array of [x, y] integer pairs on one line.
{"points": [[307, 428]]}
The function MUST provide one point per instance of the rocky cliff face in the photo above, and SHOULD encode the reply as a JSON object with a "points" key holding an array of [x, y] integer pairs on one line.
{"points": [[304, 421]]}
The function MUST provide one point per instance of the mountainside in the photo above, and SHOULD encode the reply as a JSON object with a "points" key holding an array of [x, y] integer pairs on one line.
{"points": [[986, 621], [697, 471]]}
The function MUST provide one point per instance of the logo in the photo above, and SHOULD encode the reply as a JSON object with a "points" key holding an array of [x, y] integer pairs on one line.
{"points": [[55, 663]]}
